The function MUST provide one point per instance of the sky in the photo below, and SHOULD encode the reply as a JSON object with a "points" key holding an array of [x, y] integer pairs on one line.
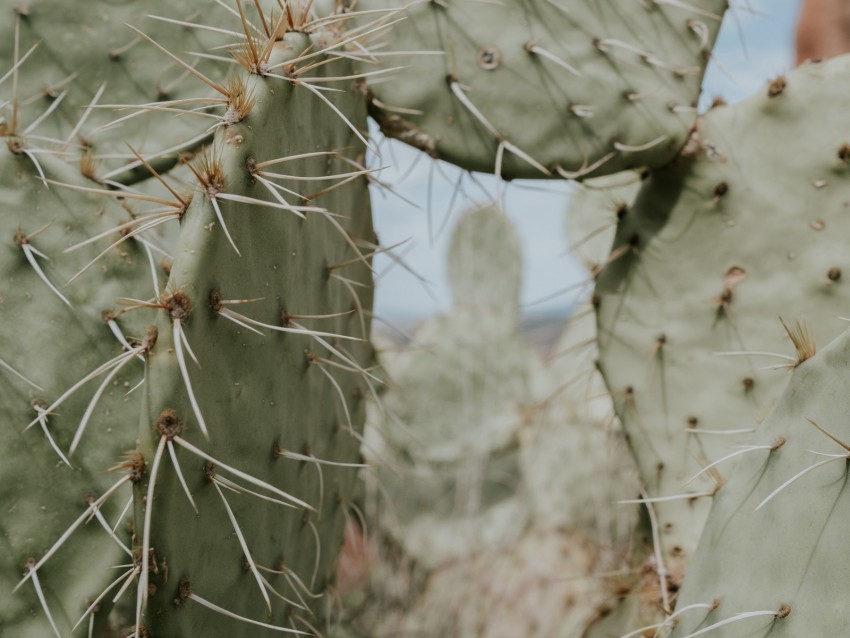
{"points": [[755, 45]]}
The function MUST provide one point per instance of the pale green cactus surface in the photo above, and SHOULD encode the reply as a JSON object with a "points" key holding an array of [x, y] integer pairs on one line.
{"points": [[746, 230], [533, 88], [780, 519]]}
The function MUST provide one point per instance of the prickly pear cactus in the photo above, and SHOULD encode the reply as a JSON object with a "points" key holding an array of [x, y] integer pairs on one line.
{"points": [[535, 87], [82, 64], [485, 463], [457, 401], [54, 336], [278, 406], [238, 384], [792, 478], [747, 227]]}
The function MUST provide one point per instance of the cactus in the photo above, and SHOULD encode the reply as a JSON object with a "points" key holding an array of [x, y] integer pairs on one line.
{"points": [[714, 249], [224, 385], [81, 62], [793, 481], [244, 435], [484, 457], [45, 486], [457, 402], [572, 91]]}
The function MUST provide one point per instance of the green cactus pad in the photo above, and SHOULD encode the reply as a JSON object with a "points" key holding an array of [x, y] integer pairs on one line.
{"points": [[750, 225], [54, 346], [580, 90], [270, 403], [775, 544], [91, 56]]}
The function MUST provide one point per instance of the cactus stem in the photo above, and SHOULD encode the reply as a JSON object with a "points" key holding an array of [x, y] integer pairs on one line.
{"points": [[244, 545]]}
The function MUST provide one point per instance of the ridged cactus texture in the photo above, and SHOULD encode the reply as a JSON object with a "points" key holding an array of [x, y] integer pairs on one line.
{"points": [[772, 559], [532, 87], [490, 470], [746, 231], [222, 380]]}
